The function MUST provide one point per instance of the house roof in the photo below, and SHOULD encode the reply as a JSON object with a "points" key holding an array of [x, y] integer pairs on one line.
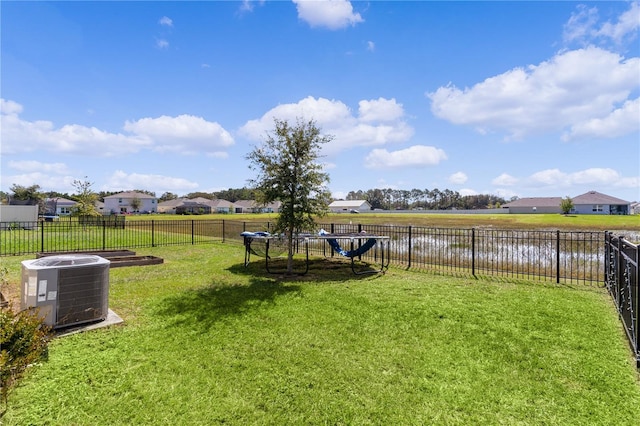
{"points": [[221, 203], [171, 203], [60, 201], [245, 203], [131, 194], [535, 202], [201, 200], [594, 197]]}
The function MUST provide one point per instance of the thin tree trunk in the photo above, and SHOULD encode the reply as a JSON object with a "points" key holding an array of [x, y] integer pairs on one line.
{"points": [[290, 252]]}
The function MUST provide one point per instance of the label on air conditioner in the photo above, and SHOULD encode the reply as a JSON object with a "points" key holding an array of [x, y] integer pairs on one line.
{"points": [[32, 287], [42, 290], [52, 295]]}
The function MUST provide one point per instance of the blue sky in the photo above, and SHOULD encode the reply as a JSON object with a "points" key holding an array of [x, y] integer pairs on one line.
{"points": [[508, 98]]}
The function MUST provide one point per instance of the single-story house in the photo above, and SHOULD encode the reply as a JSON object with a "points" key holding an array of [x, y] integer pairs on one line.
{"points": [[221, 206], [591, 202], [594, 202], [346, 206], [193, 207], [635, 208], [251, 206], [122, 203], [245, 206], [534, 205], [58, 206], [178, 205], [169, 206]]}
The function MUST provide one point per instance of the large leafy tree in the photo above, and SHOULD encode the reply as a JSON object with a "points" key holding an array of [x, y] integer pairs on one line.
{"points": [[26, 193], [288, 171]]}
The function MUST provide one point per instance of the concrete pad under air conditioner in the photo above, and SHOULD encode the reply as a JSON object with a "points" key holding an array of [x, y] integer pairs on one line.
{"points": [[112, 319]]}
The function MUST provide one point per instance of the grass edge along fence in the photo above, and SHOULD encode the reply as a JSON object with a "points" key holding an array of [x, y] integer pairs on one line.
{"points": [[562, 256], [621, 280]]}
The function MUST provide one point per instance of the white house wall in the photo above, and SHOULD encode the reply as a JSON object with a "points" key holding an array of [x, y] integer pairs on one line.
{"points": [[115, 205]]}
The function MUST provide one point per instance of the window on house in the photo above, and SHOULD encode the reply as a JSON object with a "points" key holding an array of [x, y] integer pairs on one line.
{"points": [[597, 208], [120, 200]]}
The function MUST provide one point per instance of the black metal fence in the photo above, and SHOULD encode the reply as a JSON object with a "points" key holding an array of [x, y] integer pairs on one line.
{"points": [[562, 256], [621, 279]]}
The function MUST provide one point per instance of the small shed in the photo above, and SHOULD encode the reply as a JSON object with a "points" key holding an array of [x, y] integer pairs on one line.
{"points": [[346, 206]]}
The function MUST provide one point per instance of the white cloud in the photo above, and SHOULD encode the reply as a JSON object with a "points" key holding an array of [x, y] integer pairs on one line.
{"points": [[584, 28], [627, 25], [549, 177], [458, 178], [621, 121], [507, 194], [371, 46], [467, 191], [122, 181], [379, 122], [380, 109], [594, 176], [332, 14], [28, 136], [37, 166], [162, 43], [165, 21], [10, 107], [505, 180], [46, 180], [184, 134], [414, 156], [581, 24], [248, 5], [567, 90]]}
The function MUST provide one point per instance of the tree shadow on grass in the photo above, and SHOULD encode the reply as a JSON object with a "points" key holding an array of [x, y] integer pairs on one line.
{"points": [[204, 307], [320, 270]]}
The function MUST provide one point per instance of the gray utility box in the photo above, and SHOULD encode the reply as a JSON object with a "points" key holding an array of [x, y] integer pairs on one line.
{"points": [[67, 289]]}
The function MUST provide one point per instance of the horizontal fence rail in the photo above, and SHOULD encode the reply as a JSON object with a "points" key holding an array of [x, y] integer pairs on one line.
{"points": [[621, 279], [562, 256]]}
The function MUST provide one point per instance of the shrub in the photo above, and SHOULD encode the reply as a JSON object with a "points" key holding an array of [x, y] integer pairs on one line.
{"points": [[23, 341]]}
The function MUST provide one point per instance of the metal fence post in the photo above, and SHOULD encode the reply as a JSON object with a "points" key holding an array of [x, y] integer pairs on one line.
{"points": [[104, 234], [42, 237], [153, 233], [636, 302], [408, 249], [558, 256], [192, 232], [473, 252], [223, 230]]}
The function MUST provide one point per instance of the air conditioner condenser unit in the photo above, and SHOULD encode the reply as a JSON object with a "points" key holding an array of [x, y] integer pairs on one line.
{"points": [[68, 289]]}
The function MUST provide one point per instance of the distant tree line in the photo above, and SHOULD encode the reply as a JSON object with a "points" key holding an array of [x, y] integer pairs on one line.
{"points": [[385, 199], [435, 199]]}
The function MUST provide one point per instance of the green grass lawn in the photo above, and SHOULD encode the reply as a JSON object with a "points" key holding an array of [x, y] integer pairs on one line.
{"points": [[447, 220], [207, 341]]}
